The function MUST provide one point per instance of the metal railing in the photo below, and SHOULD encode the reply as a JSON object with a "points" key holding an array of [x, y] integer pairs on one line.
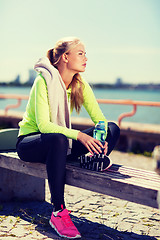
{"points": [[18, 97], [128, 102], [100, 101]]}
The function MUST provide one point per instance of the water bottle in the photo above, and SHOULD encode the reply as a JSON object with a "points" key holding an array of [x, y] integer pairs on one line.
{"points": [[99, 132]]}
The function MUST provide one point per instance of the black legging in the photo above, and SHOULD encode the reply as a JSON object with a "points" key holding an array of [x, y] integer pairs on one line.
{"points": [[51, 148]]}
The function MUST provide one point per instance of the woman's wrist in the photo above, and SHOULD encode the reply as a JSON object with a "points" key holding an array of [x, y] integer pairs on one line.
{"points": [[79, 135]]}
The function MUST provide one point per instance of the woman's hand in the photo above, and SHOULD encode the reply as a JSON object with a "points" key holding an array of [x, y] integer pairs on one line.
{"points": [[93, 145], [105, 147]]}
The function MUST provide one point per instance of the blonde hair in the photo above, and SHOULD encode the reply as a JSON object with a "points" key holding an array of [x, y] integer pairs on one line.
{"points": [[63, 46]]}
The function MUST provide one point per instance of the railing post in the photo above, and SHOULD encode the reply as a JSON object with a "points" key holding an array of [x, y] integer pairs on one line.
{"points": [[129, 114], [12, 106]]}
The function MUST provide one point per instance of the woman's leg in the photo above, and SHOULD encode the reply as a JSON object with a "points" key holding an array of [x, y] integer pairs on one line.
{"points": [[79, 149], [50, 149], [112, 136]]}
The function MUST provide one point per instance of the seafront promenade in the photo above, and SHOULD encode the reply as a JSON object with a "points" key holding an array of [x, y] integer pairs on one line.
{"points": [[97, 216]]}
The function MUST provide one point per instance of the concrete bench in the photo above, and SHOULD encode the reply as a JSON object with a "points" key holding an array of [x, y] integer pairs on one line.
{"points": [[26, 181]]}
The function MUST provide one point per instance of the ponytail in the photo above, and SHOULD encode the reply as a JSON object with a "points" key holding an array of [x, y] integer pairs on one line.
{"points": [[77, 93], [50, 55]]}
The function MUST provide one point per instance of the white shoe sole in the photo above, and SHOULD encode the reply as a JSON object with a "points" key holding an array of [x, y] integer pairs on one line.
{"points": [[51, 224]]}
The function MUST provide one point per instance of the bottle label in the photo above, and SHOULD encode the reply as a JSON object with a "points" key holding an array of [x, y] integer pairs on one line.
{"points": [[99, 135]]}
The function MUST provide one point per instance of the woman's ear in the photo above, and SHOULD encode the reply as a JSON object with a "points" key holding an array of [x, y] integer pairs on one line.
{"points": [[65, 57]]}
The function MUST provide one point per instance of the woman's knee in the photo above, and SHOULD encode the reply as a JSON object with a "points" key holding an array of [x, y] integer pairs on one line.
{"points": [[61, 140], [113, 127]]}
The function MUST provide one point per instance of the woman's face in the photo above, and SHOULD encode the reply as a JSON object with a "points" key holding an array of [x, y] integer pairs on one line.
{"points": [[77, 59]]}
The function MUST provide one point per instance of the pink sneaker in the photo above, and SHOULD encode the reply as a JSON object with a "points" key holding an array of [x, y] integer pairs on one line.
{"points": [[63, 225]]}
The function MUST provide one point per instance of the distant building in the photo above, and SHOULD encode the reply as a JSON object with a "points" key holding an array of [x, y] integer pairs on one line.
{"points": [[17, 80], [119, 82]]}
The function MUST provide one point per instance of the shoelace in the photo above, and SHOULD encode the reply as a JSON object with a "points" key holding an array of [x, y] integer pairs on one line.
{"points": [[94, 162], [67, 220]]}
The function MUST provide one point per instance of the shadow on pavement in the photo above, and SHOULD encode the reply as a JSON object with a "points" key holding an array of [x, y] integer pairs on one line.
{"points": [[38, 213]]}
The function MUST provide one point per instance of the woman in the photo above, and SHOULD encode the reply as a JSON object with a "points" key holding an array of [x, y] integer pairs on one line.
{"points": [[45, 133]]}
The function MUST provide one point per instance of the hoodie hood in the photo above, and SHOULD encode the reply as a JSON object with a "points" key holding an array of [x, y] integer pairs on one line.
{"points": [[48, 71]]}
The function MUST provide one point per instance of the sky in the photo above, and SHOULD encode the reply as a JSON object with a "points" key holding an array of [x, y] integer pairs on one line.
{"points": [[122, 37]]}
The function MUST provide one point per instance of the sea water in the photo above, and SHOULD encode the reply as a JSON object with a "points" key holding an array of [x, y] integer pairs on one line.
{"points": [[111, 112]]}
